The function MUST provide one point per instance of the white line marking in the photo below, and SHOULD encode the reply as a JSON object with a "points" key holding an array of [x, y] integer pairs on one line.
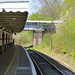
{"points": [[32, 65]]}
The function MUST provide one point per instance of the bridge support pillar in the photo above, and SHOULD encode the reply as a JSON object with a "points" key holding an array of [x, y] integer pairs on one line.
{"points": [[37, 38]]}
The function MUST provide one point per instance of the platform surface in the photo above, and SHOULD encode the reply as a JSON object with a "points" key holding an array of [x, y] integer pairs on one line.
{"points": [[15, 62]]}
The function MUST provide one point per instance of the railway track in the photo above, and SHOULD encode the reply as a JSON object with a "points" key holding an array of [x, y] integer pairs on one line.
{"points": [[43, 66]]}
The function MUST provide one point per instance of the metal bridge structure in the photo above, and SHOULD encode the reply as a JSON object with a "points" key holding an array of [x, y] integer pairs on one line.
{"points": [[39, 28], [35, 25]]}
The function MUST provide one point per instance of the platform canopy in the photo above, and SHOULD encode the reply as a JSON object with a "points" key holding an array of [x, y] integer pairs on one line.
{"points": [[13, 21]]}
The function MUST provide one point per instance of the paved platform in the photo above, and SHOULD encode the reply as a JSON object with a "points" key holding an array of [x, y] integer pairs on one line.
{"points": [[15, 61], [5, 59]]}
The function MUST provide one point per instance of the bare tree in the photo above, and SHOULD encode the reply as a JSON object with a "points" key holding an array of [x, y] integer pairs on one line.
{"points": [[50, 8]]}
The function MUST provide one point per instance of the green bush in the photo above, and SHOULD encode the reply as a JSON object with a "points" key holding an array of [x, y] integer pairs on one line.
{"points": [[35, 16], [25, 37], [64, 51], [46, 40], [73, 53]]}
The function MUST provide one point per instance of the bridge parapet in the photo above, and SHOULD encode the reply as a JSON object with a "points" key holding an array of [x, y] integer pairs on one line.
{"points": [[41, 25]]}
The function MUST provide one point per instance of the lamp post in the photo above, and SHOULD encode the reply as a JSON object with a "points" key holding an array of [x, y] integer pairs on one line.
{"points": [[51, 33]]}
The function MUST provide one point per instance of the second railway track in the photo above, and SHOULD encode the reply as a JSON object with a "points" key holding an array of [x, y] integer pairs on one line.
{"points": [[43, 65]]}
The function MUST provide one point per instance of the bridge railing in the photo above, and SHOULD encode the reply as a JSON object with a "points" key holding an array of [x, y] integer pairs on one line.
{"points": [[40, 27], [33, 27]]}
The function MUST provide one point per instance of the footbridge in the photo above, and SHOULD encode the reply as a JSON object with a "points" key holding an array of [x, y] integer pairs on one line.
{"points": [[39, 28], [41, 25]]}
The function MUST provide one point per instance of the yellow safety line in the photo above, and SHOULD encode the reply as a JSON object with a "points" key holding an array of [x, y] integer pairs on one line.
{"points": [[10, 63]]}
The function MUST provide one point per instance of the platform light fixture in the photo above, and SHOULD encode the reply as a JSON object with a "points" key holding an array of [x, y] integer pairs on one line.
{"points": [[14, 18]]}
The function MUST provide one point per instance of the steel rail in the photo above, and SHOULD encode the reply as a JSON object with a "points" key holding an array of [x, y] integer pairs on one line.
{"points": [[36, 65], [49, 62]]}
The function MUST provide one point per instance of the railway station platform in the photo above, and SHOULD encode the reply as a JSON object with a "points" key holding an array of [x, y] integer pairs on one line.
{"points": [[16, 61]]}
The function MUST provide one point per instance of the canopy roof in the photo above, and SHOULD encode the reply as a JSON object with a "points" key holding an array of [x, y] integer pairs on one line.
{"points": [[13, 21]]}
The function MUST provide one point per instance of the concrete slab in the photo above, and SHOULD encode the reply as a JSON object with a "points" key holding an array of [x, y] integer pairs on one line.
{"points": [[24, 67]]}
